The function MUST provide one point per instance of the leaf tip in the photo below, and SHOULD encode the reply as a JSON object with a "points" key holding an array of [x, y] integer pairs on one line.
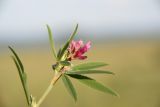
{"points": [[47, 25], [113, 73], [117, 95], [77, 25], [75, 100], [9, 47]]}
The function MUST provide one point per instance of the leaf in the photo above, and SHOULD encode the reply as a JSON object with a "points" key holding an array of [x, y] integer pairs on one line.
{"points": [[70, 88], [68, 42], [65, 63], [51, 40], [22, 74], [18, 59], [73, 34], [90, 72], [59, 53], [93, 84], [89, 65], [18, 68], [23, 78]]}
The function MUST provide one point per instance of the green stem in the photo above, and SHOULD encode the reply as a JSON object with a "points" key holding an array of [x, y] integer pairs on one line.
{"points": [[45, 94], [56, 77]]}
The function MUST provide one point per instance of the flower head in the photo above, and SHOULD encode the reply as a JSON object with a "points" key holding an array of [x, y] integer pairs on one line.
{"points": [[77, 49]]}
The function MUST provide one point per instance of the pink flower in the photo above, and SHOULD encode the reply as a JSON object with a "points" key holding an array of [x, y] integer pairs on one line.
{"points": [[77, 49]]}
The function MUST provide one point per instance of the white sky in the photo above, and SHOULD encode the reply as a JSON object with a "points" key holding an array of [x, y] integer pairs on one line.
{"points": [[23, 16]]}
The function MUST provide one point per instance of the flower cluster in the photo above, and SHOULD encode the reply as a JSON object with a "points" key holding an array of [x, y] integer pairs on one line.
{"points": [[77, 49]]}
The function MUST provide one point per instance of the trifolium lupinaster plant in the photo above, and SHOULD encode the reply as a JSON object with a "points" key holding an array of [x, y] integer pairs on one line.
{"points": [[65, 69]]}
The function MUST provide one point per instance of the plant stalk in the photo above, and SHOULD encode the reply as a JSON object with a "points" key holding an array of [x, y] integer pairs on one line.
{"points": [[56, 77]]}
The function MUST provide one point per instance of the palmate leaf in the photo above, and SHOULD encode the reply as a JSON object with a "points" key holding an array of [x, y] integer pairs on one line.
{"points": [[70, 88], [22, 75], [89, 65], [90, 72], [67, 43], [51, 40], [93, 84]]}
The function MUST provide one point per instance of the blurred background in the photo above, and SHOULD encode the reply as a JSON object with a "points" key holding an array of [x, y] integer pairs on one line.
{"points": [[124, 33]]}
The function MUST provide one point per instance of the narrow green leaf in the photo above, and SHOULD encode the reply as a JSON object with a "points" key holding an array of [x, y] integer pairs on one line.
{"points": [[73, 34], [23, 78], [90, 72], [59, 53], [65, 63], [18, 68], [70, 88], [63, 50], [89, 65], [51, 40], [17, 58], [93, 84], [68, 42]]}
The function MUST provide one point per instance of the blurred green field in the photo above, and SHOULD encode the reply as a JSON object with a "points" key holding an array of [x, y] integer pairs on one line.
{"points": [[137, 79]]}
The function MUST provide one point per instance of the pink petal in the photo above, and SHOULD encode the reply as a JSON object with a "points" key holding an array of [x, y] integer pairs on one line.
{"points": [[78, 54], [72, 46], [85, 48], [88, 44], [78, 44]]}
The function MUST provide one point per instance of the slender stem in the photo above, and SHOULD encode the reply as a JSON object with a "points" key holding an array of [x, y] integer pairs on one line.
{"points": [[44, 95], [56, 77]]}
